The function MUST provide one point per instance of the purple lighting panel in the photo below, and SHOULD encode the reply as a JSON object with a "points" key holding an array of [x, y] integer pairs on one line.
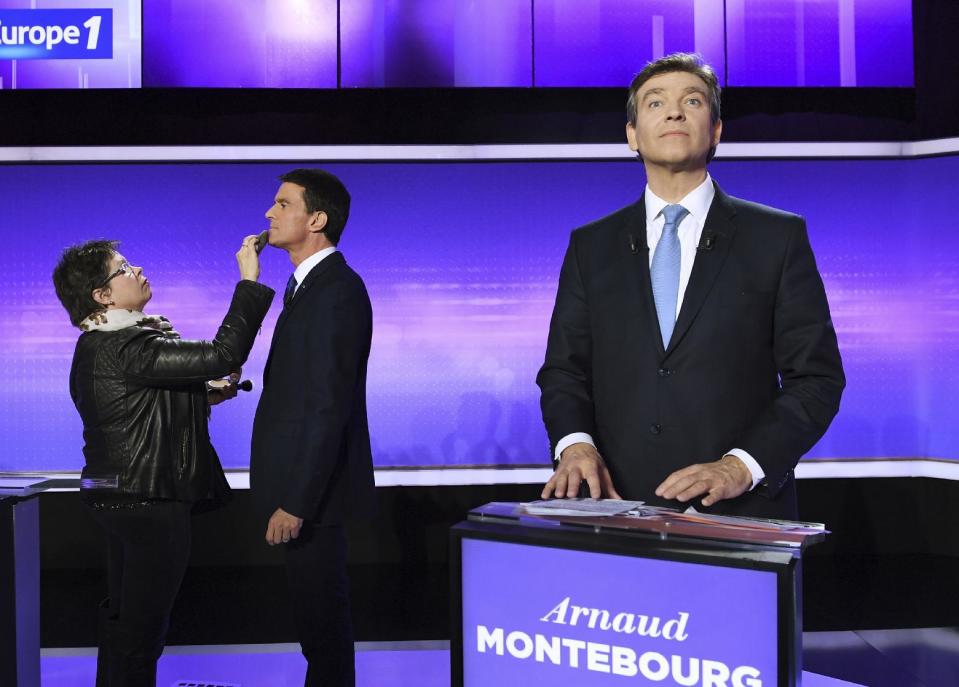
{"points": [[223, 43], [461, 261], [819, 43], [605, 42], [122, 70], [410, 43]]}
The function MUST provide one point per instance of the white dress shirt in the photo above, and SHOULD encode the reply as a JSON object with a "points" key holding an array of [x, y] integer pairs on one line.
{"points": [[690, 230], [307, 265]]}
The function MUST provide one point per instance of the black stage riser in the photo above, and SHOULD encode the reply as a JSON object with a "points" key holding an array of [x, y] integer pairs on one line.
{"points": [[891, 562]]}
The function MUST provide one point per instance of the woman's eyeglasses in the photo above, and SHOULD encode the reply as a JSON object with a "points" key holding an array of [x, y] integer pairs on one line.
{"points": [[124, 268]]}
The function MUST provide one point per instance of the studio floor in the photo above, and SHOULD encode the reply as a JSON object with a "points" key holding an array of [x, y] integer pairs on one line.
{"points": [[926, 657]]}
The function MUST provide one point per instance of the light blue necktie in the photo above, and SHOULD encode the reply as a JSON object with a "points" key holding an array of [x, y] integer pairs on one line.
{"points": [[664, 272]]}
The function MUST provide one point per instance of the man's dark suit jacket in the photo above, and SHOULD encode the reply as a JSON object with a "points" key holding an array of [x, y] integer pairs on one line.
{"points": [[311, 442], [752, 364]]}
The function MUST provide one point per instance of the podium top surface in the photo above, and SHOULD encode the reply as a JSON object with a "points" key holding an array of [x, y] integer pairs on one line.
{"points": [[663, 524], [21, 487]]}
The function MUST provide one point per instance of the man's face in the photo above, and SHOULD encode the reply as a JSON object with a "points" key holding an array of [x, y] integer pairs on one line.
{"points": [[128, 288], [290, 223], [673, 128]]}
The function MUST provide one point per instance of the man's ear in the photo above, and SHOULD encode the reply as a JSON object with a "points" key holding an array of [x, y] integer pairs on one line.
{"points": [[717, 132], [631, 138], [102, 296], [318, 222]]}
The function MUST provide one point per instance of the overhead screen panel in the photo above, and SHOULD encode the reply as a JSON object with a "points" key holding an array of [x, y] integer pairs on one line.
{"points": [[407, 43], [224, 43], [805, 43], [65, 44], [482, 43], [461, 261], [605, 42]]}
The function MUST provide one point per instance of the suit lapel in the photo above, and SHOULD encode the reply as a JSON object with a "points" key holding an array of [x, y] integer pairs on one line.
{"points": [[324, 266], [708, 263], [311, 278], [636, 266]]}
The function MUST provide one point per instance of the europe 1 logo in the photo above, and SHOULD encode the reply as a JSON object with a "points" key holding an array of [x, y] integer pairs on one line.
{"points": [[84, 34]]}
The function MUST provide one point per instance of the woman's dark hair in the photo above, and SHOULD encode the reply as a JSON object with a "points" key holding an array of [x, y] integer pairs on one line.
{"points": [[80, 270]]}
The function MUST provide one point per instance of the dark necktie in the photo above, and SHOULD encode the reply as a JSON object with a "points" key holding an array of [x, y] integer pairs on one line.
{"points": [[290, 288], [664, 271]]}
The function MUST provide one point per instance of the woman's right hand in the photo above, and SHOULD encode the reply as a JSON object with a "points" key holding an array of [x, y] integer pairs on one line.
{"points": [[248, 259]]}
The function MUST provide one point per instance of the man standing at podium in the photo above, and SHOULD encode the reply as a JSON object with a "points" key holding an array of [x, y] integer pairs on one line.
{"points": [[691, 357]]}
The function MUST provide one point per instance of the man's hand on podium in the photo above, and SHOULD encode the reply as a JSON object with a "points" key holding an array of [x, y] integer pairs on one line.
{"points": [[723, 479], [580, 462]]}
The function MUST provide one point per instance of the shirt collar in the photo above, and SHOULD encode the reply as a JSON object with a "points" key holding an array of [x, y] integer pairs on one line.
{"points": [[307, 265], [696, 201]]}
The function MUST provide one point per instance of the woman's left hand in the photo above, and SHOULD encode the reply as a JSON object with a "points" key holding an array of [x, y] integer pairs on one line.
{"points": [[219, 390]]}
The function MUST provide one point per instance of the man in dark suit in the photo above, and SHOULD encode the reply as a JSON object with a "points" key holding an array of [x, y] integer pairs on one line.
{"points": [[311, 468], [691, 353]]}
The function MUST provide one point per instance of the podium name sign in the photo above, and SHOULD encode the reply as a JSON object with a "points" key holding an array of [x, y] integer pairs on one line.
{"points": [[582, 618]]}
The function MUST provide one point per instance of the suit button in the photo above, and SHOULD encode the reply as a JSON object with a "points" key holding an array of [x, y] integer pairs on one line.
{"points": [[664, 372], [655, 428]]}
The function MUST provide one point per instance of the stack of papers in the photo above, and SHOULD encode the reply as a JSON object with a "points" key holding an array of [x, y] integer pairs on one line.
{"points": [[581, 507]]}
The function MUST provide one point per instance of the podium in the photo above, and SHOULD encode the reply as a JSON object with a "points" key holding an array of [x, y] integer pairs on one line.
{"points": [[664, 599], [19, 583]]}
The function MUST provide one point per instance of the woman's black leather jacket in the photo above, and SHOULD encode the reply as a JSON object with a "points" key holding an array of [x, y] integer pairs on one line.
{"points": [[142, 399]]}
